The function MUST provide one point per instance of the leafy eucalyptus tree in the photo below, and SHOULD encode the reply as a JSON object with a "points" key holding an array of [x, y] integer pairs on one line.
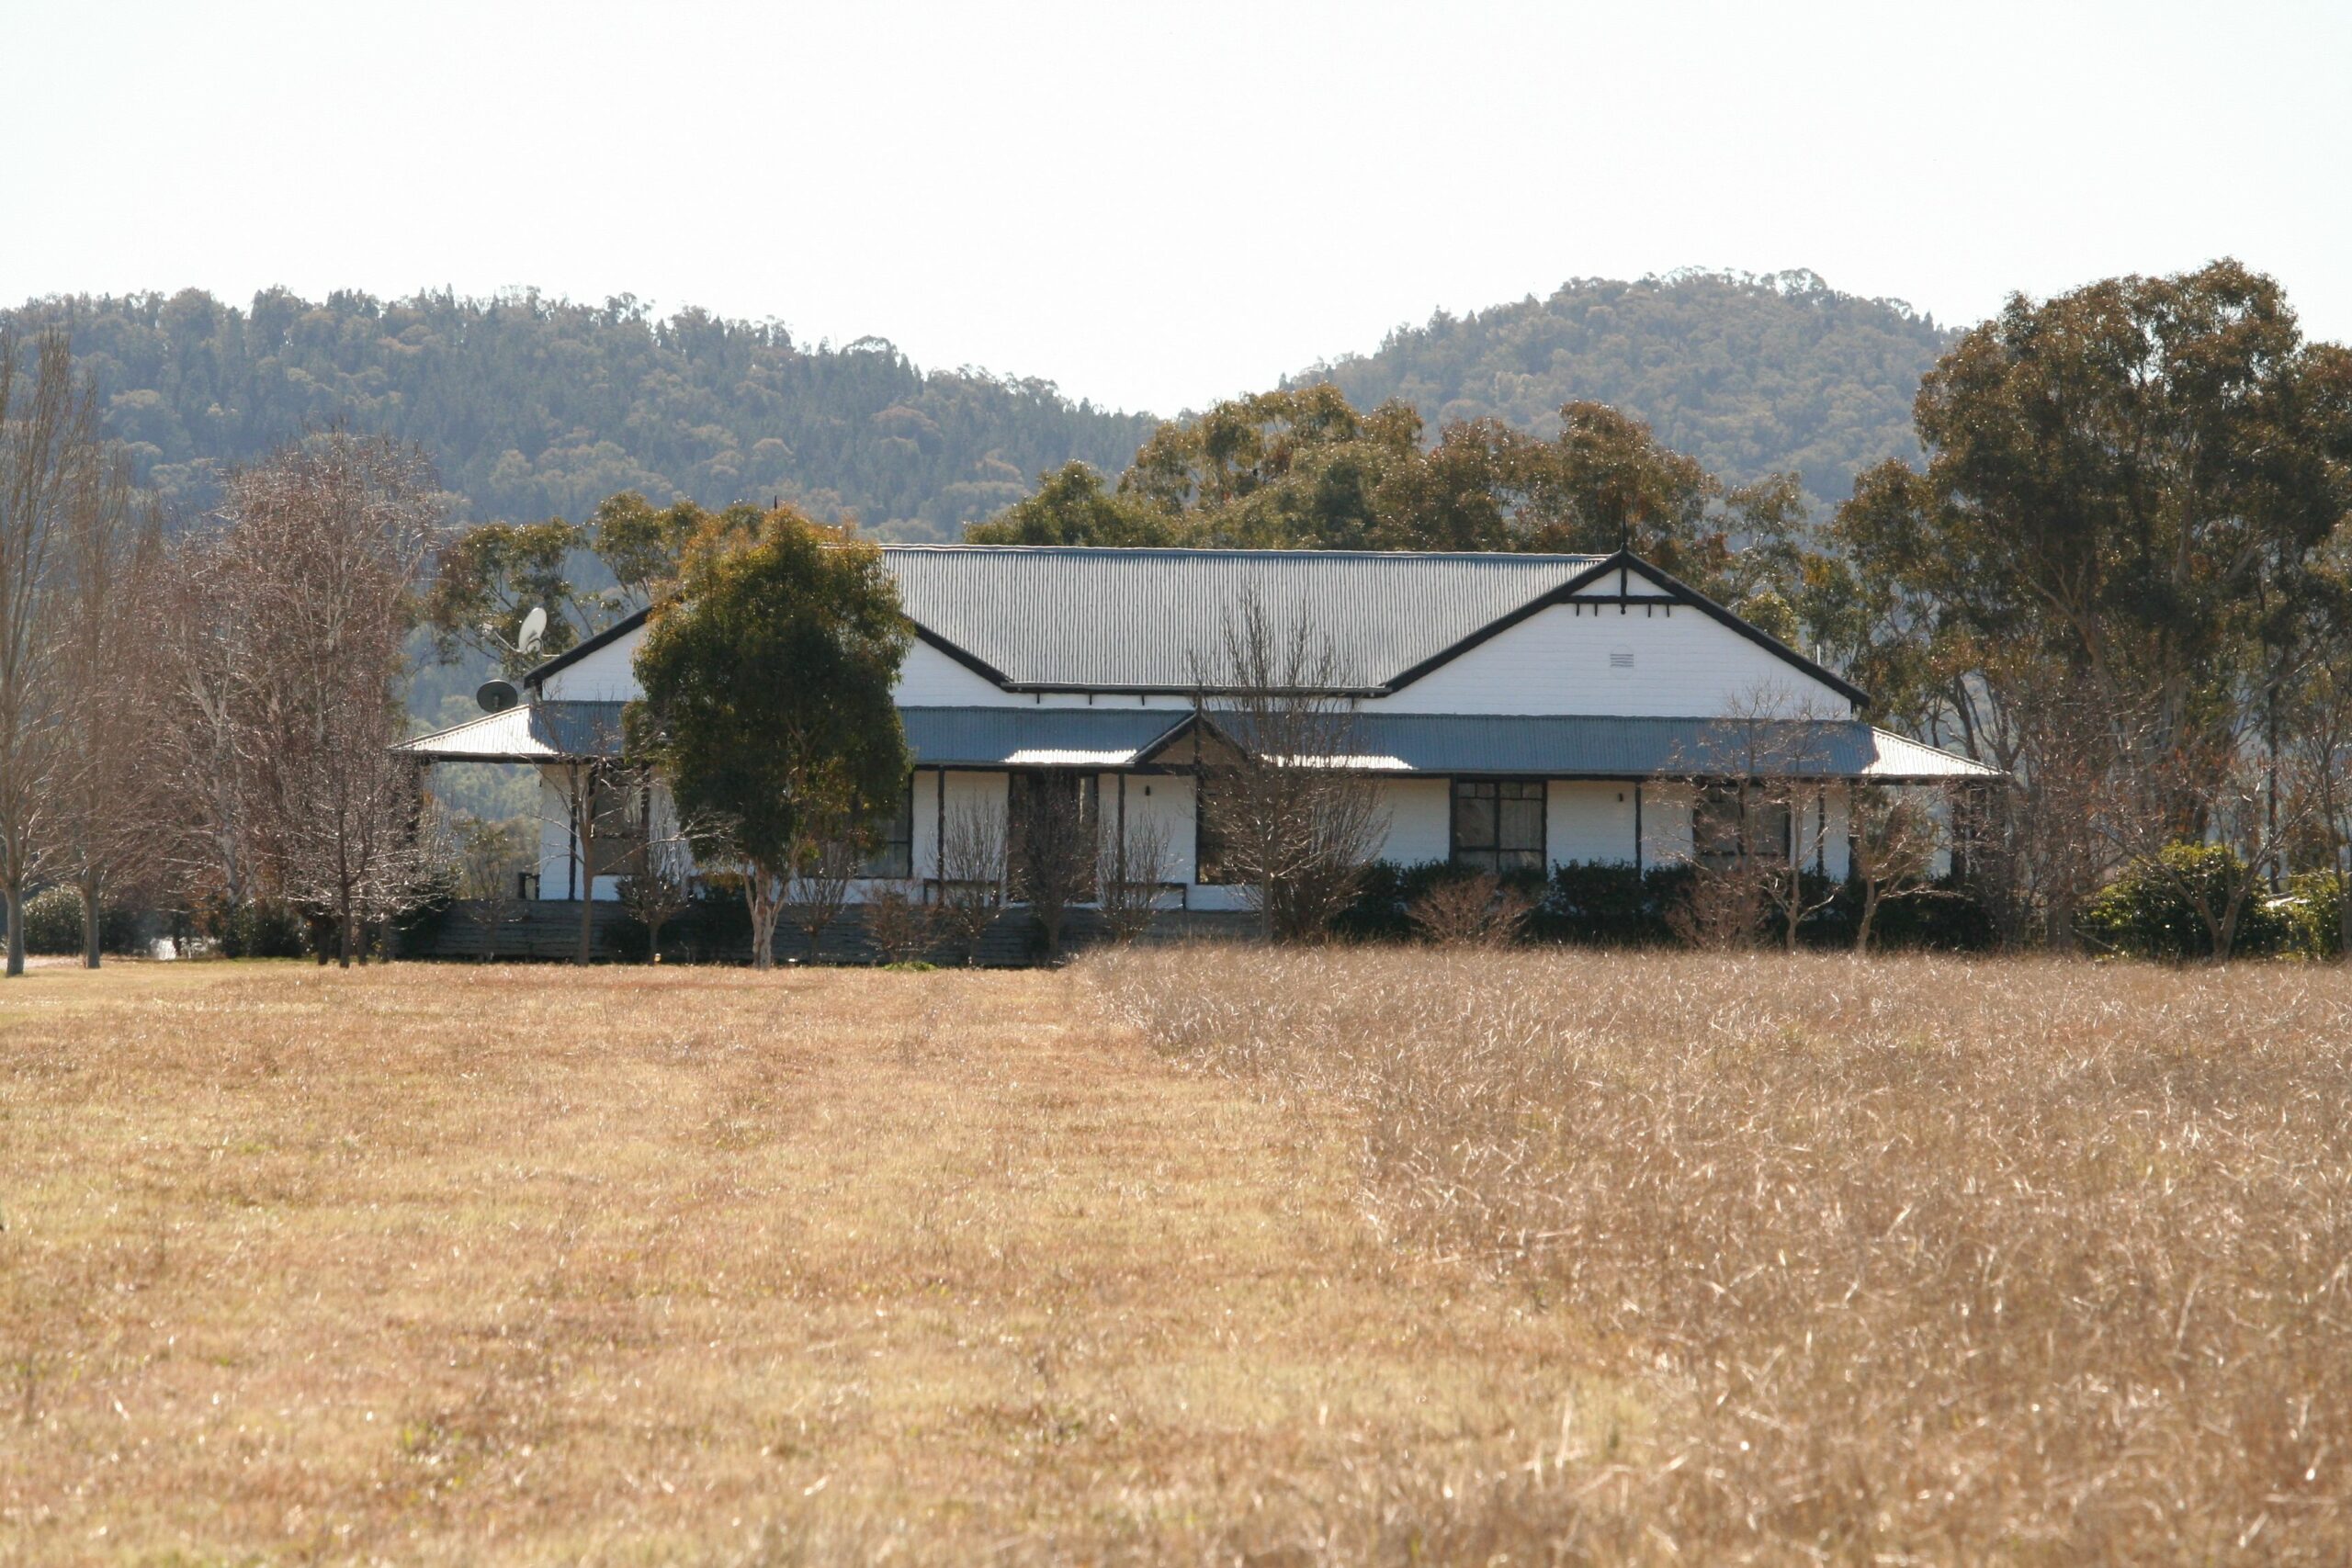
{"points": [[767, 703]]}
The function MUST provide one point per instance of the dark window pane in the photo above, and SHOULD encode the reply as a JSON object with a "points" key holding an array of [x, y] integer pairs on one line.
{"points": [[1522, 828], [894, 838]]}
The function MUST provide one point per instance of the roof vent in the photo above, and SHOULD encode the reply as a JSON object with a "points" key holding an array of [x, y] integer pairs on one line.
{"points": [[1621, 661]]}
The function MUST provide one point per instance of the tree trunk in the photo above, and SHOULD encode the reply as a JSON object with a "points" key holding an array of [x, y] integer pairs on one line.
{"points": [[764, 910], [1869, 913], [90, 892], [583, 834], [348, 928], [15, 897]]}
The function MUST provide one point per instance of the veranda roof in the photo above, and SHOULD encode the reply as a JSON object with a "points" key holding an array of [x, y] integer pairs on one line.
{"points": [[1543, 746], [1608, 746], [533, 732]]}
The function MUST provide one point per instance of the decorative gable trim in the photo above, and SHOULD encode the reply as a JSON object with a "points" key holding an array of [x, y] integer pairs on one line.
{"points": [[1624, 567]]}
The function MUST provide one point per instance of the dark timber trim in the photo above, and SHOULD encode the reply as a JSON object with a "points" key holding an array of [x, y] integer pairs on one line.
{"points": [[1628, 565]]}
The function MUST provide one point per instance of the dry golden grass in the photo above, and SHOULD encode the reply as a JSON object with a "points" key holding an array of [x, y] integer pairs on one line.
{"points": [[471, 1264], [1380, 1257], [1903, 1261]]}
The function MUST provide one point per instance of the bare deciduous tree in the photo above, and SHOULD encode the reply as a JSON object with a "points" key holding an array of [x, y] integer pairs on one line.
{"points": [[491, 858], [324, 545], [1471, 912], [1136, 863], [50, 465], [1760, 819], [827, 857], [1893, 853], [971, 873], [103, 715], [1292, 817], [1055, 844], [897, 923]]}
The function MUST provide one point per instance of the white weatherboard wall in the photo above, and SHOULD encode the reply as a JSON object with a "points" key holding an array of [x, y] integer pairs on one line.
{"points": [[1421, 820], [604, 676], [1666, 824], [1839, 839], [1157, 803], [930, 679], [1589, 822], [1672, 662]]}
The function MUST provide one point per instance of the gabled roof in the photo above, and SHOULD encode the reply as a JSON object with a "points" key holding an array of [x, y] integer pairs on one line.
{"points": [[533, 732], [1094, 619], [1100, 619]]}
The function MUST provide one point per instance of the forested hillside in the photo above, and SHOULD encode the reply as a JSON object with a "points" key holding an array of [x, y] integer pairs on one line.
{"points": [[534, 407], [1751, 376]]}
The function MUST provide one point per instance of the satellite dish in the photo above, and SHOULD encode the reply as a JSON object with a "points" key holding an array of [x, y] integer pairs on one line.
{"points": [[535, 627], [497, 697]]}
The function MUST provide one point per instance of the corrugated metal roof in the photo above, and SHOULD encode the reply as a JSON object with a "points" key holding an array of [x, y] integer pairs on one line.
{"points": [[1098, 617], [534, 732], [1036, 737], [1541, 745], [1566, 746]]}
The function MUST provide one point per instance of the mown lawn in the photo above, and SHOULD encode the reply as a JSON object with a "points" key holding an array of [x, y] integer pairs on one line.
{"points": [[488, 1264]]}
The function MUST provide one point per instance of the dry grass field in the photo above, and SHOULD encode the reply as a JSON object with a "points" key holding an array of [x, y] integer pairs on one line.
{"points": [[1193, 1256], [1903, 1261]]}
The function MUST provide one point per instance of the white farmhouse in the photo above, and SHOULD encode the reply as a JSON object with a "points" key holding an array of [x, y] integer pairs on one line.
{"points": [[1520, 711]]}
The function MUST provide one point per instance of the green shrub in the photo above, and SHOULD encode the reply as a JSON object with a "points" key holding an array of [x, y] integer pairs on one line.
{"points": [[2312, 909], [53, 924], [418, 927], [2149, 912], [261, 930], [1947, 917]]}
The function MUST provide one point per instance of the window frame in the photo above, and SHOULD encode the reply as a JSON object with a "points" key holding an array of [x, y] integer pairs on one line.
{"points": [[896, 834], [1540, 793], [1208, 848], [1728, 793]]}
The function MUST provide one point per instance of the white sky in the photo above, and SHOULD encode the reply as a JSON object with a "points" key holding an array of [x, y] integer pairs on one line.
{"points": [[1159, 206]]}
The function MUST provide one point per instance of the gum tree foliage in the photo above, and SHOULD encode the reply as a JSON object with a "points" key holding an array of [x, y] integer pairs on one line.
{"points": [[767, 701], [2127, 510], [489, 579], [1305, 468]]}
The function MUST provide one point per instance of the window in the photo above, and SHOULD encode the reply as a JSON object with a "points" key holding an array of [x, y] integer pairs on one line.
{"points": [[1210, 848], [1729, 822], [620, 808], [1499, 824], [894, 838]]}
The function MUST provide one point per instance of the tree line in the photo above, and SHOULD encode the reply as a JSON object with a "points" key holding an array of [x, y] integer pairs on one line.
{"points": [[1752, 376], [534, 407]]}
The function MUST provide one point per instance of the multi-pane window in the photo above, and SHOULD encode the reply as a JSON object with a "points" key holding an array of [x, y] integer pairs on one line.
{"points": [[894, 838], [1730, 823], [1499, 824]]}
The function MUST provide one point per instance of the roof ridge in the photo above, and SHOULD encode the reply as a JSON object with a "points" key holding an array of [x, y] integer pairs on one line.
{"points": [[1234, 552]]}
